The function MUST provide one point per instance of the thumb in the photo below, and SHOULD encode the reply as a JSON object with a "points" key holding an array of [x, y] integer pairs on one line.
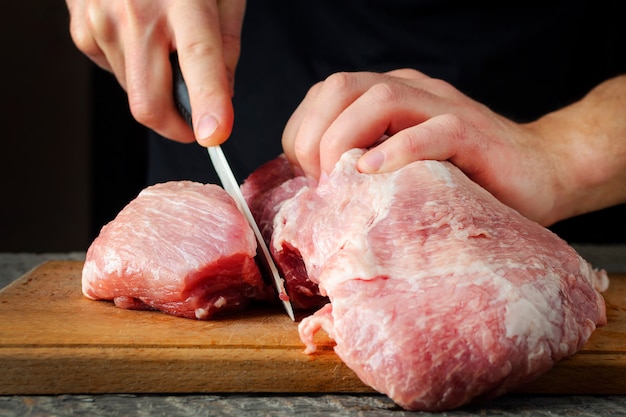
{"points": [[437, 138]]}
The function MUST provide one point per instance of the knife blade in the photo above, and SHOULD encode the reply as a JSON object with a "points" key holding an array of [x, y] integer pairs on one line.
{"points": [[231, 185]]}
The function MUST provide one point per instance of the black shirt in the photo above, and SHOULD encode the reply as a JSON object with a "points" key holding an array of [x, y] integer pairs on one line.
{"points": [[520, 60]]}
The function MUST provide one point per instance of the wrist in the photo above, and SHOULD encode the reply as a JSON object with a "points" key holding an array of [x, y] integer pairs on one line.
{"points": [[588, 143]]}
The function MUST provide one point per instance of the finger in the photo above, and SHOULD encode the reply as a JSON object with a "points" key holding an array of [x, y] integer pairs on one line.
{"points": [[149, 78], [82, 25], [199, 44], [422, 81], [292, 127], [384, 109], [102, 26], [231, 19], [150, 96], [113, 60], [438, 138], [334, 95], [407, 74]]}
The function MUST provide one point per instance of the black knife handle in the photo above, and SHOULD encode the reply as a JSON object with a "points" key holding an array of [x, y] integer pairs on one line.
{"points": [[181, 94]]}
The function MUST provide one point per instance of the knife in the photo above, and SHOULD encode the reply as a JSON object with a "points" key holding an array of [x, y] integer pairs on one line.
{"points": [[231, 185]]}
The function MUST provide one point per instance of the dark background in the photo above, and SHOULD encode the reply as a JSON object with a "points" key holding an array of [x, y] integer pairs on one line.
{"points": [[71, 156]]}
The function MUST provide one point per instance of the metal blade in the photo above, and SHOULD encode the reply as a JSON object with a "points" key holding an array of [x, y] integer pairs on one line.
{"points": [[232, 187], [230, 184]]}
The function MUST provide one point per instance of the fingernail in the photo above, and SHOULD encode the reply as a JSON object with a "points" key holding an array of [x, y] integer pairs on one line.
{"points": [[372, 160], [207, 126]]}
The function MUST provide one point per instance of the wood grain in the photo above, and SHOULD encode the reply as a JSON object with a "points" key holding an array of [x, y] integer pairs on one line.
{"points": [[55, 341]]}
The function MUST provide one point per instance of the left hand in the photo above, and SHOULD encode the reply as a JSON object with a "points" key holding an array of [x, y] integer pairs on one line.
{"points": [[424, 118]]}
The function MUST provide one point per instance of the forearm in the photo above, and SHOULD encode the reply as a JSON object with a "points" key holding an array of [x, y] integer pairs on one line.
{"points": [[588, 139]]}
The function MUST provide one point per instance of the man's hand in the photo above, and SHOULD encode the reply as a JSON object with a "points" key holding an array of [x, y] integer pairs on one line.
{"points": [[134, 39], [404, 116]]}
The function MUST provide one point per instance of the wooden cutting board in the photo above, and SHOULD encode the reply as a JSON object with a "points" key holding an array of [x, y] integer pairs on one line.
{"points": [[55, 341]]}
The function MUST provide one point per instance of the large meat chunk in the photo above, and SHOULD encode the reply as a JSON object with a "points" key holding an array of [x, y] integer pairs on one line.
{"points": [[438, 292], [180, 247]]}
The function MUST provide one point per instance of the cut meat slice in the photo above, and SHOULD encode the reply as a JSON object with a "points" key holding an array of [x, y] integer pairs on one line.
{"points": [[180, 247], [439, 293], [265, 190]]}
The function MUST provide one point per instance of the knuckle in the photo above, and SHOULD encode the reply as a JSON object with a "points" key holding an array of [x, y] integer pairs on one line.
{"points": [[199, 49], [454, 126], [144, 110], [412, 144], [135, 14], [437, 86], [338, 81], [405, 73], [315, 90], [100, 24], [83, 40], [385, 93], [448, 126]]}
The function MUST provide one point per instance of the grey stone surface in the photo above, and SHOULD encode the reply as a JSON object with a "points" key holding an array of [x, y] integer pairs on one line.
{"points": [[14, 265], [304, 405]]}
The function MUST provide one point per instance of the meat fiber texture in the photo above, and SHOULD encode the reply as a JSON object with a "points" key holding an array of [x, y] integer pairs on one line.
{"points": [[180, 247], [439, 293], [265, 190]]}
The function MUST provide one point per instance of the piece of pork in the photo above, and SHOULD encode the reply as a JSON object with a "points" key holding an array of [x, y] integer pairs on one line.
{"points": [[438, 292], [265, 190], [180, 247]]}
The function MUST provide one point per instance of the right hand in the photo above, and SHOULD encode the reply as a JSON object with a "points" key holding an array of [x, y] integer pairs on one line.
{"points": [[133, 39]]}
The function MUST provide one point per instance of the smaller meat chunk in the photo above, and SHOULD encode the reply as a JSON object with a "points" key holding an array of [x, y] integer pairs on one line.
{"points": [[265, 190], [180, 247]]}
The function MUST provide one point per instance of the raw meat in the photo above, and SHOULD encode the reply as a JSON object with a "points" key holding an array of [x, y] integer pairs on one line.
{"points": [[180, 247], [265, 190], [439, 293]]}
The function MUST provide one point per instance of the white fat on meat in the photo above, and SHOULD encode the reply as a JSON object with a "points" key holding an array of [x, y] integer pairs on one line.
{"points": [[439, 293]]}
